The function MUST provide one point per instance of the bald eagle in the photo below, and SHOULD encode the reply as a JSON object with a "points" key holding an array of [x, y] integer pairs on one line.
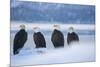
{"points": [[57, 38], [39, 40], [19, 41], [72, 36]]}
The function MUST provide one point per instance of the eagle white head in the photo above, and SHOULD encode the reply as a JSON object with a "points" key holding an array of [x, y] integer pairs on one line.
{"points": [[36, 29], [71, 29], [56, 27], [22, 26]]}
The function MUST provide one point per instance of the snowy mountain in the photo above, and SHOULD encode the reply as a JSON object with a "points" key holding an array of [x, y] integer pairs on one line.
{"points": [[53, 12]]}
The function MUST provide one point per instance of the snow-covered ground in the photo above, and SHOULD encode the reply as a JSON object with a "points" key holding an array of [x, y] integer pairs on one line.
{"points": [[84, 51]]}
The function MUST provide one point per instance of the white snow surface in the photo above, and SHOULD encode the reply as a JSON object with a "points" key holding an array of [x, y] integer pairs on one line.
{"points": [[84, 51]]}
